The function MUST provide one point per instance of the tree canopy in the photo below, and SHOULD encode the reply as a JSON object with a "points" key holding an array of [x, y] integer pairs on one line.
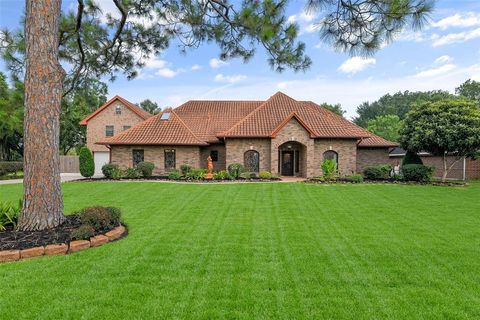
{"points": [[446, 127], [470, 89], [387, 126], [336, 108], [150, 106]]}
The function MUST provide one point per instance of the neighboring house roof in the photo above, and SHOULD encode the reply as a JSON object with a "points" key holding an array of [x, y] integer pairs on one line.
{"points": [[205, 122], [133, 107], [166, 128]]}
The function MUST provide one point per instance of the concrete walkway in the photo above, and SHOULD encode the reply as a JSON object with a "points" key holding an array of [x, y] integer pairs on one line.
{"points": [[64, 176]]}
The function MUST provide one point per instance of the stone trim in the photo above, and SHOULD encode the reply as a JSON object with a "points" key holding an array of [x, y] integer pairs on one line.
{"points": [[62, 248]]}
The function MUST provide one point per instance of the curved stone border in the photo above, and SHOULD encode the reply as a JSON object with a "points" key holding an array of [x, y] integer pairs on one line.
{"points": [[59, 249]]}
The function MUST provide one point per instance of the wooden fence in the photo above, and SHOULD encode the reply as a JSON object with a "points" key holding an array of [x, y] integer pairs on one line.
{"points": [[69, 164]]}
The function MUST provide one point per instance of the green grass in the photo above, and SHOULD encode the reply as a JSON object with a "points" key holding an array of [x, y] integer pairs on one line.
{"points": [[261, 251]]}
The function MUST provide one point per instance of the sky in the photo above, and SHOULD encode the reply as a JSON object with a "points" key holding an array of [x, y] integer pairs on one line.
{"points": [[441, 56]]}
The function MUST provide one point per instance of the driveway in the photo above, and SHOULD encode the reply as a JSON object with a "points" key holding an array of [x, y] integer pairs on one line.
{"points": [[64, 176]]}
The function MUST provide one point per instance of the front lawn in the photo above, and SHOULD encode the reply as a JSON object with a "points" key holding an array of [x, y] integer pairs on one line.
{"points": [[261, 251]]}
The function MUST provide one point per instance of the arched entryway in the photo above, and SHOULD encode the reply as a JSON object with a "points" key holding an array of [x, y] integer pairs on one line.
{"points": [[292, 159]]}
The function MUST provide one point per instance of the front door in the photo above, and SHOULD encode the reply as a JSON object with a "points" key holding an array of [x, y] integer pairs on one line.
{"points": [[287, 163]]}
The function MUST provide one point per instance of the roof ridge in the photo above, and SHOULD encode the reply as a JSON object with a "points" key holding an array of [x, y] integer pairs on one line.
{"points": [[187, 127], [246, 117], [302, 122]]}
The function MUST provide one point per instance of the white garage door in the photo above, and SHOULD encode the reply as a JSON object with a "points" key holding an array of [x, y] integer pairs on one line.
{"points": [[101, 158]]}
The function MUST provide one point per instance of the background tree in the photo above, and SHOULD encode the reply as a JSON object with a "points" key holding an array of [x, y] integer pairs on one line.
{"points": [[150, 106], [387, 126], [94, 47], [398, 104], [470, 89], [336, 108], [443, 128]]}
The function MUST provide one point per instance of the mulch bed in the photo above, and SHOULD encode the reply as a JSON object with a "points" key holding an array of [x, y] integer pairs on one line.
{"points": [[431, 183], [19, 240], [164, 178]]}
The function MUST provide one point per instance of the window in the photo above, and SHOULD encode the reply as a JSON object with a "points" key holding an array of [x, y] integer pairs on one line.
{"points": [[251, 161], [108, 131], [330, 155], [126, 127], [165, 115], [118, 110], [169, 158], [137, 157], [214, 155]]}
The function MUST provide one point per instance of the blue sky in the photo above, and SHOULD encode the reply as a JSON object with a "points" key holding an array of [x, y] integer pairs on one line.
{"points": [[443, 55]]}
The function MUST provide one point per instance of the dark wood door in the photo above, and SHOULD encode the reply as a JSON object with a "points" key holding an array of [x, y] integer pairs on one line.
{"points": [[287, 163]]}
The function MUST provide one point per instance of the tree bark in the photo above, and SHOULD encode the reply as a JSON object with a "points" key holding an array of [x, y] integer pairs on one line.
{"points": [[42, 200], [445, 168]]}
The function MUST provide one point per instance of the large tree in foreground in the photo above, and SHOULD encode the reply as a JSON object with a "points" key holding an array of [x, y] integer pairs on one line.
{"points": [[447, 128], [95, 45]]}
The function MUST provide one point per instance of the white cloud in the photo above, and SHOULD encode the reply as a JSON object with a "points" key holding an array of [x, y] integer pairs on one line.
{"points": [[410, 36], [311, 28], [456, 37], [160, 68], [230, 79], [196, 67], [462, 20], [443, 59], [436, 71], [167, 72], [304, 20], [217, 63], [282, 85], [356, 64]]}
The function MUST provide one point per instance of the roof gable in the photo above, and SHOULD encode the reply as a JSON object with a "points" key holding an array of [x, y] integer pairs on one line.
{"points": [[293, 115], [134, 108]]}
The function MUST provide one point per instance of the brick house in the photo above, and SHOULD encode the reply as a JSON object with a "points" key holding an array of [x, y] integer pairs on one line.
{"points": [[115, 116], [281, 135]]}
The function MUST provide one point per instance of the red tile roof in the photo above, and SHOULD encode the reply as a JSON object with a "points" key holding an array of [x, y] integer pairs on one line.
{"points": [[157, 131], [136, 109], [204, 122]]}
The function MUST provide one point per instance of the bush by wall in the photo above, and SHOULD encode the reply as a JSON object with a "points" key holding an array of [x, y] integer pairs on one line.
{"points": [[381, 172], [174, 175], [87, 164], [417, 172], [111, 171], [411, 158], [235, 169], [146, 168], [220, 175], [265, 175], [185, 169], [10, 167]]}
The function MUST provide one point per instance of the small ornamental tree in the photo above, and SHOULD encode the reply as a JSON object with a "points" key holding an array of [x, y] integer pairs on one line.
{"points": [[443, 128], [87, 165]]}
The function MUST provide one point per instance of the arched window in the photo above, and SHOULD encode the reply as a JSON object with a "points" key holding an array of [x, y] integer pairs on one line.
{"points": [[251, 161], [330, 155]]}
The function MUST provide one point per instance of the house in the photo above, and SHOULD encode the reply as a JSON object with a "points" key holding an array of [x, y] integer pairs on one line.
{"points": [[463, 169], [281, 135], [115, 116]]}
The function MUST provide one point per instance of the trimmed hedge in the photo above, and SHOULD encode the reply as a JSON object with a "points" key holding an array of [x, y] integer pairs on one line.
{"points": [[381, 172], [10, 167], [417, 172], [87, 164], [145, 168], [111, 171]]}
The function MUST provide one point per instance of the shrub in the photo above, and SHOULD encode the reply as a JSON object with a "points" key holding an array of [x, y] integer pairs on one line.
{"points": [[9, 214], [174, 175], [329, 169], [354, 178], [235, 169], [87, 165], [248, 175], [221, 175], [417, 172], [411, 158], [145, 168], [381, 172], [84, 232], [100, 218], [185, 169], [265, 175], [196, 174], [111, 171], [10, 167], [132, 173]]}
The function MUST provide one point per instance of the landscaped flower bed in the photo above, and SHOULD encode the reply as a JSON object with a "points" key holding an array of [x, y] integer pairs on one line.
{"points": [[91, 227]]}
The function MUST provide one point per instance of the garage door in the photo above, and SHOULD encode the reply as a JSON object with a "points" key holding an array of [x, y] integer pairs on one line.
{"points": [[101, 158]]}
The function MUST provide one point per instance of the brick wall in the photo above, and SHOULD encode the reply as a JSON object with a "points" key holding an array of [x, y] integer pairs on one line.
{"points": [[235, 149], [217, 165], [473, 169], [96, 125], [372, 157], [347, 155], [122, 155], [455, 173]]}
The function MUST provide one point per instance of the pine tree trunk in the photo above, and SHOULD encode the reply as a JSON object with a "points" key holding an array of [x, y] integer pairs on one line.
{"points": [[42, 201]]}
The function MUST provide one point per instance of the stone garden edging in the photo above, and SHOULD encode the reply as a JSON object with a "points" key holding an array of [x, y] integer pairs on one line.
{"points": [[62, 248]]}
